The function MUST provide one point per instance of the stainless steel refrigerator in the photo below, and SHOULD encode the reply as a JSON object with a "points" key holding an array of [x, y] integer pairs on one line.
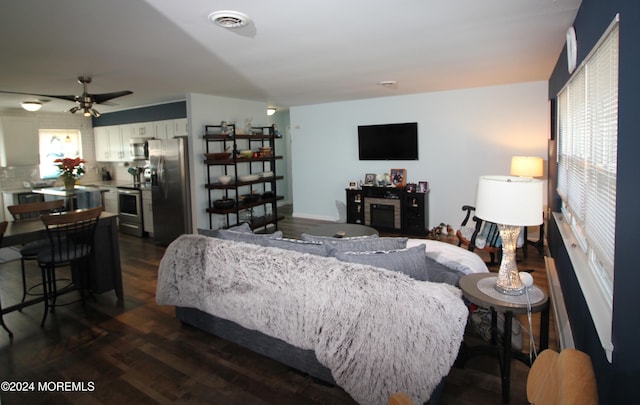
{"points": [[171, 194]]}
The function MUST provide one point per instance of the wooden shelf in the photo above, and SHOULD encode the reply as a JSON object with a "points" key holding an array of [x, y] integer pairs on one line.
{"points": [[240, 206], [234, 184]]}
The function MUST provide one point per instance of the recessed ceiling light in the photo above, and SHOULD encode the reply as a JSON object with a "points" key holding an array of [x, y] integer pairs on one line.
{"points": [[229, 19]]}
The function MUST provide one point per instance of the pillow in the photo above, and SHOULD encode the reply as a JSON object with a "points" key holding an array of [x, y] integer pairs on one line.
{"points": [[314, 248], [255, 238], [364, 245], [440, 273], [452, 256], [316, 238], [215, 233], [243, 227], [408, 261], [212, 233]]}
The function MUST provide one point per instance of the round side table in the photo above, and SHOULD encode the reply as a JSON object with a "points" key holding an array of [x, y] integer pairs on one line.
{"points": [[478, 289]]}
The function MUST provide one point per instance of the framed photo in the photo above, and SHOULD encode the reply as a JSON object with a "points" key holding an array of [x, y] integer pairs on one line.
{"points": [[369, 179], [411, 187], [398, 177], [353, 185], [423, 186]]}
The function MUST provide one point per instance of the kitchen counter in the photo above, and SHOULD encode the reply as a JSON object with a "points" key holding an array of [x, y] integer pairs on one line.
{"points": [[63, 192], [79, 197], [116, 184]]}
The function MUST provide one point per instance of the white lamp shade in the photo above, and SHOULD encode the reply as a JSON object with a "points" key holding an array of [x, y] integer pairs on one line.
{"points": [[510, 200], [527, 166]]}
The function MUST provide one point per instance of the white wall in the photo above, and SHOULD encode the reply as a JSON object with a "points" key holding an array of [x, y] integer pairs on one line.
{"points": [[283, 148], [211, 110], [12, 177], [462, 134]]}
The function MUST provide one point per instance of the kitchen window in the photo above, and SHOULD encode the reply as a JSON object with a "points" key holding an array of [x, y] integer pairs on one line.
{"points": [[587, 169], [56, 144]]}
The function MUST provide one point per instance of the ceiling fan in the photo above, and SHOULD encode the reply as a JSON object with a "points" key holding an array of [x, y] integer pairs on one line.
{"points": [[85, 101]]}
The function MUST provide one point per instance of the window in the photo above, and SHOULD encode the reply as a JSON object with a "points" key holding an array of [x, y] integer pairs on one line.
{"points": [[587, 165], [56, 144]]}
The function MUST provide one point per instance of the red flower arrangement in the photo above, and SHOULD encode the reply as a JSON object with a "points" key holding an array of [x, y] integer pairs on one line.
{"points": [[70, 168]]}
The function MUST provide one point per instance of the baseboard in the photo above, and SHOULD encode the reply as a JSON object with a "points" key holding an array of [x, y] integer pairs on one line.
{"points": [[560, 316]]}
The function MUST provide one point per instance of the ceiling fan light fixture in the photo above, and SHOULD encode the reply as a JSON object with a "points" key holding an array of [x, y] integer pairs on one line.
{"points": [[229, 19], [387, 83], [31, 105]]}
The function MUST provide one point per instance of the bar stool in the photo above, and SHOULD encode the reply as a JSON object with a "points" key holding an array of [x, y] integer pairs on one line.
{"points": [[3, 228], [32, 211], [71, 243]]}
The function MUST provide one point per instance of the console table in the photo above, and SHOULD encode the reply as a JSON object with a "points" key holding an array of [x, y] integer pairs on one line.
{"points": [[390, 209]]}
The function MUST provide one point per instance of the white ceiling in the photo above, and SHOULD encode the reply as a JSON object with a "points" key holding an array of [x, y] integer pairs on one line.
{"points": [[293, 53]]}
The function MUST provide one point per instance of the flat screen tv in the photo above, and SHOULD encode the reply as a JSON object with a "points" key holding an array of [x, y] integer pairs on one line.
{"points": [[388, 141]]}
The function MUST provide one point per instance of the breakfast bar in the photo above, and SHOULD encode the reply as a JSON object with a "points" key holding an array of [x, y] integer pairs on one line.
{"points": [[105, 270]]}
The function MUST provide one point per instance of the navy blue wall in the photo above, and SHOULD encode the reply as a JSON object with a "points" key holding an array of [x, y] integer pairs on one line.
{"points": [[616, 380], [143, 114]]}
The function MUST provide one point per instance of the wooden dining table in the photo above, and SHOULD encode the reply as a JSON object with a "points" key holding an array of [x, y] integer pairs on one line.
{"points": [[105, 273]]}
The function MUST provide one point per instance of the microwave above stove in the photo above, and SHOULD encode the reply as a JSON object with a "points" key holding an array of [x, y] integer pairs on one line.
{"points": [[139, 148]]}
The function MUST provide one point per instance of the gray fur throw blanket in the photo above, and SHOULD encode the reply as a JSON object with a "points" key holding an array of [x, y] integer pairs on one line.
{"points": [[378, 331]]}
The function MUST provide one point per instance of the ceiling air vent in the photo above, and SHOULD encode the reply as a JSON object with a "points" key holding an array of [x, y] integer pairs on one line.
{"points": [[229, 19]]}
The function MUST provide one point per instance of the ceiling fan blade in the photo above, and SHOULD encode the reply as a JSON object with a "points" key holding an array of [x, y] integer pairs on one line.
{"points": [[62, 97], [101, 98], [68, 98]]}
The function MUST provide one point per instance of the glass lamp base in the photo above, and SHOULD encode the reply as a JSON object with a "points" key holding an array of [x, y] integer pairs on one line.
{"points": [[509, 291], [509, 282]]}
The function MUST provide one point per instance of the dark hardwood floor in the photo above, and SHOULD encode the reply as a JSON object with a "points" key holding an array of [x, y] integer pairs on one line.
{"points": [[137, 352]]}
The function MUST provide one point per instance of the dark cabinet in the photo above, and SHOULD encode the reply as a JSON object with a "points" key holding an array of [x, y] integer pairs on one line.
{"points": [[415, 216], [389, 209], [355, 210]]}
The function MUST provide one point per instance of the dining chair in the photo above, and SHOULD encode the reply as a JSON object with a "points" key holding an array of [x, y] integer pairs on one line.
{"points": [[71, 243], [33, 211], [3, 228]]}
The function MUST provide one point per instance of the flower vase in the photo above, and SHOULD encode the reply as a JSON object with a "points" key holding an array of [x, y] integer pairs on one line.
{"points": [[69, 182]]}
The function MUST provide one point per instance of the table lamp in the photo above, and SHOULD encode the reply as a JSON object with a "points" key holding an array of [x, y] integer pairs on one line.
{"points": [[527, 166], [511, 202]]}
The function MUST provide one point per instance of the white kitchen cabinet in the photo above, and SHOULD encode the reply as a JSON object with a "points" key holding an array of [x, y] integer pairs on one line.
{"points": [[112, 143], [19, 141], [180, 127], [102, 145], [163, 129], [147, 211], [139, 130], [119, 153], [110, 199]]}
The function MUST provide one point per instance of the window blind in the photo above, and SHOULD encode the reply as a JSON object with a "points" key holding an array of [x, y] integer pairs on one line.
{"points": [[587, 155]]}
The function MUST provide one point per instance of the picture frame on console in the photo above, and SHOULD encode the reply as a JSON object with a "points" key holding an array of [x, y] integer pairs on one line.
{"points": [[398, 177], [370, 179], [423, 186], [411, 187]]}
